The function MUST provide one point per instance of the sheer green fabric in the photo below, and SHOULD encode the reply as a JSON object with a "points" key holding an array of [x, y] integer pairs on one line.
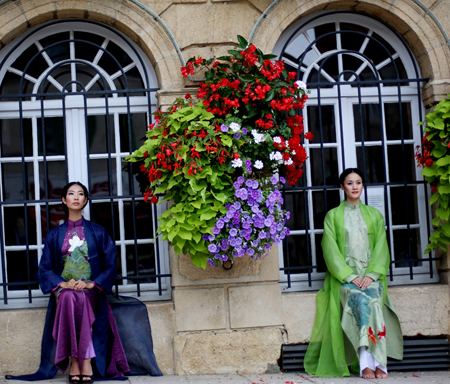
{"points": [[327, 355]]}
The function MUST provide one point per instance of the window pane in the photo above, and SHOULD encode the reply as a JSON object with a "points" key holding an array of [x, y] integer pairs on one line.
{"points": [[143, 261], [11, 143], [394, 126], [98, 129], [367, 118], [143, 221], [372, 163], [352, 41], [12, 181], [133, 81], [107, 218], [103, 183], [327, 159], [378, 49], [407, 247], [33, 68], [327, 43], [322, 116], [59, 51], [404, 205], [15, 228], [54, 136], [51, 217], [320, 208], [21, 271], [54, 181], [133, 177], [86, 50], [298, 254], [132, 130], [11, 86], [320, 262], [295, 203], [401, 162]]}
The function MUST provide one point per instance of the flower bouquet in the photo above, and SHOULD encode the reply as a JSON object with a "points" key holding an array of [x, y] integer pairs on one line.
{"points": [[223, 160]]}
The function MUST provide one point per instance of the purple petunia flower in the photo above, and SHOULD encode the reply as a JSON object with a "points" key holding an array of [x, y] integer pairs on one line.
{"points": [[233, 232], [242, 194], [220, 223], [227, 205], [283, 180], [211, 262], [212, 248], [216, 230], [211, 237], [236, 185], [224, 128], [244, 131], [205, 237], [249, 183], [267, 246], [250, 251], [237, 135], [273, 180]]}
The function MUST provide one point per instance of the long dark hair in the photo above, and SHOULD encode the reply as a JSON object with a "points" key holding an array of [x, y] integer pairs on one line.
{"points": [[64, 194], [347, 172]]}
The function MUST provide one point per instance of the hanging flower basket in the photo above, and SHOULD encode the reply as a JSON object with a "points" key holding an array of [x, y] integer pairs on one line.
{"points": [[223, 160]]}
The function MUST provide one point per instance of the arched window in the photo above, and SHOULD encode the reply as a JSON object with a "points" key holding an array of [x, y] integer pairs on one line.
{"points": [[75, 100], [363, 110]]}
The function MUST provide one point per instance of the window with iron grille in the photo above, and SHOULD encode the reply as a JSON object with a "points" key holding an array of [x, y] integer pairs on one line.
{"points": [[75, 99], [363, 109]]}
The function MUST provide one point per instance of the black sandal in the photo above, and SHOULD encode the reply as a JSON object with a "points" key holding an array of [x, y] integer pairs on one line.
{"points": [[72, 377], [90, 377]]}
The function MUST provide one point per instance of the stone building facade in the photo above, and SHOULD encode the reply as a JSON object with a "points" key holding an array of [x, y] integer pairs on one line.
{"points": [[232, 321]]}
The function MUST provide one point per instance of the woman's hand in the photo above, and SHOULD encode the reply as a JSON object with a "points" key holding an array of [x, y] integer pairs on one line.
{"points": [[76, 285], [362, 283], [80, 284], [68, 284]]}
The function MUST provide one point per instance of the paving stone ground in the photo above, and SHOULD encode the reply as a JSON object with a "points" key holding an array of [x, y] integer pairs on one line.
{"points": [[287, 378]]}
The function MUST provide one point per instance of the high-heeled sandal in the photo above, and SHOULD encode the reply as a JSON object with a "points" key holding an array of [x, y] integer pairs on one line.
{"points": [[72, 377], [90, 381]]}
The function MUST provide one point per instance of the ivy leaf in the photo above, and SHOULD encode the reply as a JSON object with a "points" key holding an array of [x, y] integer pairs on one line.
{"points": [[446, 228], [430, 171], [434, 198]]}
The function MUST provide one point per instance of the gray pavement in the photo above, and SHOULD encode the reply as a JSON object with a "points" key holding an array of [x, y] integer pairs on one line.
{"points": [[286, 378]]}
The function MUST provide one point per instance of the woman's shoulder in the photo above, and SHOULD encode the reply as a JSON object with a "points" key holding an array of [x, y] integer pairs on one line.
{"points": [[333, 211], [94, 227], [372, 211]]}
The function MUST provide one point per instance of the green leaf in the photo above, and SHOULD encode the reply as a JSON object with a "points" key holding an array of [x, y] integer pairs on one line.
{"points": [[434, 198], [242, 42], [207, 215], [199, 260], [443, 213], [185, 234], [435, 221], [444, 189], [446, 228], [443, 161], [430, 171]]}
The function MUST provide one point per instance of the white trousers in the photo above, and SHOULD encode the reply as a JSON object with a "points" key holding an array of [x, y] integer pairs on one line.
{"points": [[366, 360]]}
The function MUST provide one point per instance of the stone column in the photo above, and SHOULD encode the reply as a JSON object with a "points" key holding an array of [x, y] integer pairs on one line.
{"points": [[227, 321]]}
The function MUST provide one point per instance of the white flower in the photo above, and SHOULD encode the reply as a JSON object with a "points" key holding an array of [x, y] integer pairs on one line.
{"points": [[275, 155], [259, 164], [293, 152], [286, 143], [235, 127], [236, 163], [288, 162], [300, 84], [277, 139], [258, 137], [75, 242]]}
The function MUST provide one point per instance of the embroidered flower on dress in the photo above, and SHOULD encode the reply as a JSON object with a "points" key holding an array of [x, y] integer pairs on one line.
{"points": [[75, 242]]}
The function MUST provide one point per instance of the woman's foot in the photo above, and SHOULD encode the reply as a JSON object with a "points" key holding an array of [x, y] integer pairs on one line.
{"points": [[74, 374], [379, 374], [367, 373], [86, 371]]}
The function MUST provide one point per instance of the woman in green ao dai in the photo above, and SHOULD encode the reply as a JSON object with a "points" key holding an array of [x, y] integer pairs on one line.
{"points": [[355, 323]]}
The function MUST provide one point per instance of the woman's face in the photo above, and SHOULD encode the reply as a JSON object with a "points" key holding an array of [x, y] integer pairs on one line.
{"points": [[75, 198], [352, 187]]}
